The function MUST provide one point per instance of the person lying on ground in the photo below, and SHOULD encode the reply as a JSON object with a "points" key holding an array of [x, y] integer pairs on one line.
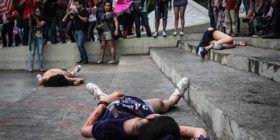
{"points": [[57, 77], [214, 39], [121, 117]]}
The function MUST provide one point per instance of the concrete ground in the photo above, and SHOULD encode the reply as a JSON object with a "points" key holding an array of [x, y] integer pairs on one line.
{"points": [[32, 112]]}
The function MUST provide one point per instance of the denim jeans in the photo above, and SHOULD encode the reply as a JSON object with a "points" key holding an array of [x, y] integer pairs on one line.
{"points": [[36, 43], [26, 36], [70, 30], [60, 26], [138, 17], [80, 40]]}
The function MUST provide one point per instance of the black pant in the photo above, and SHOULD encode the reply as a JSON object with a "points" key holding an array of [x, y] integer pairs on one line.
{"points": [[60, 26], [90, 31], [276, 18], [25, 38], [50, 30], [8, 29], [141, 17]]}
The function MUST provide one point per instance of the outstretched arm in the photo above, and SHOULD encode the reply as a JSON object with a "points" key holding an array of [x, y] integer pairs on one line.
{"points": [[97, 113], [192, 132]]}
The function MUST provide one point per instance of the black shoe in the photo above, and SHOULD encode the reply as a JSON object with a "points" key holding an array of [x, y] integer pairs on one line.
{"points": [[85, 61], [202, 52], [272, 36]]}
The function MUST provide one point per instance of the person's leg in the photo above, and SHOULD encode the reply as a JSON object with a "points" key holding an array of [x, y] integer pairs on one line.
{"points": [[31, 55], [60, 26], [182, 17], [112, 50], [10, 33], [164, 16], [211, 14], [137, 23], [157, 21], [102, 51], [53, 30], [234, 19], [222, 38], [25, 32], [90, 31], [40, 46], [228, 22], [161, 106], [176, 14], [80, 41], [3, 35], [145, 20]]}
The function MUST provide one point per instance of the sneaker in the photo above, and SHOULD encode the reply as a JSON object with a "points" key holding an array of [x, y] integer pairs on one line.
{"points": [[164, 34], [99, 62], [202, 52], [111, 62], [174, 33], [182, 86], [94, 90], [39, 77], [181, 33], [76, 69], [155, 34], [217, 46]]}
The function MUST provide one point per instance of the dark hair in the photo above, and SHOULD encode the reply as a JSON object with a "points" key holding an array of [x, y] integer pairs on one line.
{"points": [[159, 127], [111, 8], [82, 2], [57, 81]]}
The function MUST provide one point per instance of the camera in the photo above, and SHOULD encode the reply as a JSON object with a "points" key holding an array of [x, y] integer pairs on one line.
{"points": [[74, 12]]}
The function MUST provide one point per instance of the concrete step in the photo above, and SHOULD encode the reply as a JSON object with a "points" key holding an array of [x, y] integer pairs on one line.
{"points": [[236, 105], [264, 62], [66, 55], [139, 76], [273, 44]]}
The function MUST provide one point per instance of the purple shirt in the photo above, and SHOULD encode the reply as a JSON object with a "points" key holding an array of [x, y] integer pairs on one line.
{"points": [[110, 126]]}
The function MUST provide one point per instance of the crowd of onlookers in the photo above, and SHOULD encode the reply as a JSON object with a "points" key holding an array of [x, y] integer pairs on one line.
{"points": [[262, 16], [35, 22]]}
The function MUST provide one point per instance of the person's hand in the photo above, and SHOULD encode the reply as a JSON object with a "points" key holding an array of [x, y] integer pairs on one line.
{"points": [[114, 97], [116, 33], [78, 82]]}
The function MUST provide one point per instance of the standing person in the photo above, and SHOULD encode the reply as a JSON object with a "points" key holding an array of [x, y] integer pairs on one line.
{"points": [[120, 117], [179, 11], [275, 21], [8, 20], [80, 26], [211, 14], [50, 14], [29, 8], [141, 15], [110, 25], [60, 13], [37, 24], [69, 20], [92, 23], [231, 17], [161, 11]]}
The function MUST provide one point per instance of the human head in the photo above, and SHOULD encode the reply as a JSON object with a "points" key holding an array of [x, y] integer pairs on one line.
{"points": [[38, 11], [161, 127], [80, 4], [107, 6], [56, 81]]}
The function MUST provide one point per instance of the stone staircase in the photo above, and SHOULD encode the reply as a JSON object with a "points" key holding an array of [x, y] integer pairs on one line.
{"points": [[233, 99], [257, 57]]}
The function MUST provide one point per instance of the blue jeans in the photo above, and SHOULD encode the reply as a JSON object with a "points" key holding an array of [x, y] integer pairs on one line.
{"points": [[138, 17], [80, 40], [36, 43], [70, 30]]}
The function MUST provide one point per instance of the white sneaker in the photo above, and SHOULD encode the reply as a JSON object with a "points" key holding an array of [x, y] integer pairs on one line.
{"points": [[164, 34], [174, 33], [94, 90], [39, 77], [181, 33], [182, 86], [76, 69], [155, 34]]}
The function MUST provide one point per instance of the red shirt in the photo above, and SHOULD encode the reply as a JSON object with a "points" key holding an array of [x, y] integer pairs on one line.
{"points": [[230, 4], [29, 8]]}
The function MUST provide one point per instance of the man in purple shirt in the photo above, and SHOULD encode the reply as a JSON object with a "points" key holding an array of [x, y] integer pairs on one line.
{"points": [[120, 117]]}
